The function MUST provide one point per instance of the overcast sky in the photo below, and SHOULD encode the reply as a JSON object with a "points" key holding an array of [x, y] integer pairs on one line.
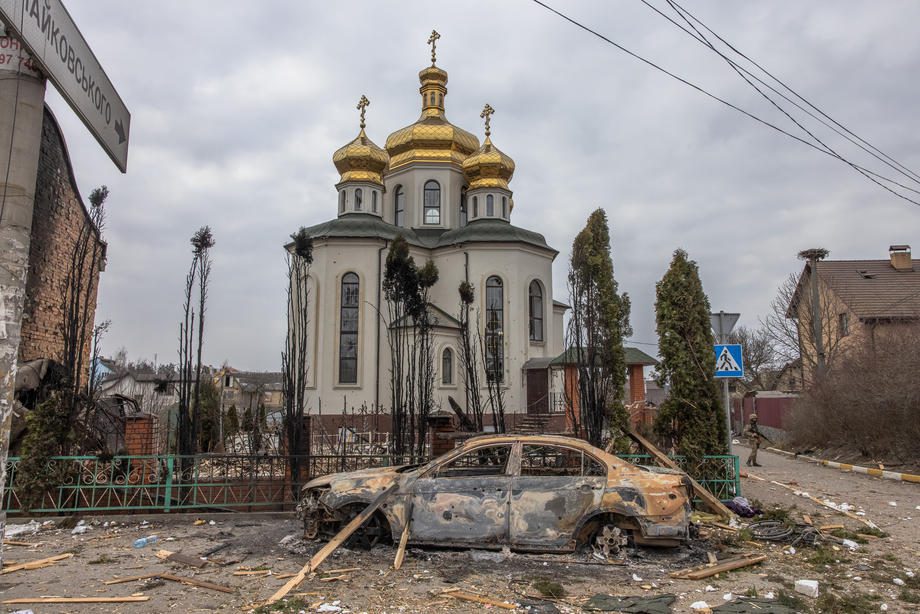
{"points": [[237, 107]]}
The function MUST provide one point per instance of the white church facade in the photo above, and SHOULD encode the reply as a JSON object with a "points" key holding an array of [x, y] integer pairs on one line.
{"points": [[434, 184]]}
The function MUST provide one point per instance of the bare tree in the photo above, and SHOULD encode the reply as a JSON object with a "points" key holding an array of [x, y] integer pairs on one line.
{"points": [[469, 362], [202, 242], [294, 358], [790, 324], [491, 351], [759, 356]]}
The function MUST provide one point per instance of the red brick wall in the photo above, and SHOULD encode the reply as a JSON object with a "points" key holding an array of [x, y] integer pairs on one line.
{"points": [[60, 216]]}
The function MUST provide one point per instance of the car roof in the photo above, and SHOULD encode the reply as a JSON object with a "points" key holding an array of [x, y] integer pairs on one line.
{"points": [[555, 439]]}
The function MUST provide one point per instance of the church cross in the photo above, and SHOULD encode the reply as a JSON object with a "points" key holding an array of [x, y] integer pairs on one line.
{"points": [[433, 41], [486, 114], [362, 106]]}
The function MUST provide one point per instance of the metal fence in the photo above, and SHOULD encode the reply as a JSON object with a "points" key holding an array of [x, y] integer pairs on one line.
{"points": [[720, 475], [164, 483]]}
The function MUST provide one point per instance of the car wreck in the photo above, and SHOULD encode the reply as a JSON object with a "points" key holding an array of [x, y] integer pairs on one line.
{"points": [[528, 492]]}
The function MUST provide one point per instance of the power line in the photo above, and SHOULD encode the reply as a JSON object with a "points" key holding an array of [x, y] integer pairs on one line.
{"points": [[723, 101], [827, 148], [868, 147], [905, 170]]}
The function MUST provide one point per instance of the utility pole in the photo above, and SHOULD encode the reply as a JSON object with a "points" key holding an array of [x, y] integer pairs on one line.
{"points": [[813, 256], [22, 97], [722, 325]]}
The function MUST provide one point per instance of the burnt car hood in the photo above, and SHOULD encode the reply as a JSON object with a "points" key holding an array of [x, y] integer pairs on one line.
{"points": [[382, 476]]}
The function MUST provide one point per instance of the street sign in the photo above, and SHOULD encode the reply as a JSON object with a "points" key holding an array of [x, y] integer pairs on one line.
{"points": [[728, 360], [49, 34], [722, 324]]}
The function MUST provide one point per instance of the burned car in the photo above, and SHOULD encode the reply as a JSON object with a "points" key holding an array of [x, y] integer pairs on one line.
{"points": [[529, 492]]}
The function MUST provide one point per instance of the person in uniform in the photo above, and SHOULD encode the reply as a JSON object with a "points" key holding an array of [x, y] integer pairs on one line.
{"points": [[753, 435]]}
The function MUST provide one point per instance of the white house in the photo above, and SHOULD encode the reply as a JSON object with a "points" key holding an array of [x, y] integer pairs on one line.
{"points": [[449, 196]]}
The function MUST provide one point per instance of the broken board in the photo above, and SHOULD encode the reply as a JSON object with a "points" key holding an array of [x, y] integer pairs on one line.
{"points": [[710, 500]]}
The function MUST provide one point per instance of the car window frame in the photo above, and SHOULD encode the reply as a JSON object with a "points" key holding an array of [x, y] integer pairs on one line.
{"points": [[520, 460], [430, 471]]}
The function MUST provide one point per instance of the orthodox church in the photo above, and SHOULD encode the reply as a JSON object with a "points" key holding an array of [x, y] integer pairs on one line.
{"points": [[434, 184]]}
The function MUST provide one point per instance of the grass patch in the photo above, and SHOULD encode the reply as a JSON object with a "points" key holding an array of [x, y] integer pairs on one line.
{"points": [[844, 534], [872, 532], [791, 601], [909, 596], [285, 606], [825, 556], [548, 588], [779, 514], [851, 603], [102, 560]]}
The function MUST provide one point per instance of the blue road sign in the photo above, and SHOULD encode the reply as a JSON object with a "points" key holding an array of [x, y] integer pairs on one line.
{"points": [[728, 361]]}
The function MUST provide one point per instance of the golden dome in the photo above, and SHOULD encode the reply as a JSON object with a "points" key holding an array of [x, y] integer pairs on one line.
{"points": [[361, 159], [489, 167], [432, 138]]}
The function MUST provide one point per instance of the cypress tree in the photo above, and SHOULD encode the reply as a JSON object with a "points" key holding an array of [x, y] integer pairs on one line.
{"points": [[598, 324], [691, 418]]}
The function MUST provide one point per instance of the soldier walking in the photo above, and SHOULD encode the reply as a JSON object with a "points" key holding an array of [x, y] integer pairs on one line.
{"points": [[753, 435]]}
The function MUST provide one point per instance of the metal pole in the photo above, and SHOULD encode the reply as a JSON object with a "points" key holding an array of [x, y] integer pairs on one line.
{"points": [[815, 315], [21, 115], [723, 338]]}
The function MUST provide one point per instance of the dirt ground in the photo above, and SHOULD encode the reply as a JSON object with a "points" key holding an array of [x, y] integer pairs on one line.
{"points": [[861, 580]]}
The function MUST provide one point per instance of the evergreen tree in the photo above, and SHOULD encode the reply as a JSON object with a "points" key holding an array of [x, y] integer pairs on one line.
{"points": [[597, 326], [691, 419]]}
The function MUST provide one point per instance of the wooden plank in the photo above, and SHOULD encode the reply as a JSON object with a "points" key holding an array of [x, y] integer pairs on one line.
{"points": [[464, 596], [131, 599], [705, 571], [36, 564], [708, 498], [256, 572], [334, 543], [196, 582], [404, 539], [184, 559], [9, 542], [807, 520], [130, 579], [830, 527]]}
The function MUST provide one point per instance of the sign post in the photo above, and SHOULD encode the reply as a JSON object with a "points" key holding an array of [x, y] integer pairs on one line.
{"points": [[722, 325], [39, 39], [48, 33]]}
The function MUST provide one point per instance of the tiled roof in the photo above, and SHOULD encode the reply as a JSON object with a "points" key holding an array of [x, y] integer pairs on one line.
{"points": [[364, 225], [634, 356], [871, 289]]}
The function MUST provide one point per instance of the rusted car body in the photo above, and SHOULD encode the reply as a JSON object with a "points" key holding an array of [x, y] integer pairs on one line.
{"points": [[529, 492]]}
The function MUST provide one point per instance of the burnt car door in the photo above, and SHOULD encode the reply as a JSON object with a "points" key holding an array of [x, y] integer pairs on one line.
{"points": [[465, 499], [554, 487]]}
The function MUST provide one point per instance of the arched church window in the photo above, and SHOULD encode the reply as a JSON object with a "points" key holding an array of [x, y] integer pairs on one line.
{"points": [[431, 99], [495, 329], [432, 202], [447, 367], [440, 99], [505, 207], [536, 311], [490, 205], [359, 196], [475, 206], [463, 216], [374, 201], [399, 217], [348, 330], [342, 201]]}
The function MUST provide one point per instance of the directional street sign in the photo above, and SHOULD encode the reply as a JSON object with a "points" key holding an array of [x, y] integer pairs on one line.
{"points": [[48, 33], [728, 361]]}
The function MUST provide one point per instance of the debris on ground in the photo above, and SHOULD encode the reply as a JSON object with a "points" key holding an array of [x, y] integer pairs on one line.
{"points": [[660, 604], [807, 587]]}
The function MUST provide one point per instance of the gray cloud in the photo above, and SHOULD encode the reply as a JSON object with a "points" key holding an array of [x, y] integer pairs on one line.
{"points": [[238, 106]]}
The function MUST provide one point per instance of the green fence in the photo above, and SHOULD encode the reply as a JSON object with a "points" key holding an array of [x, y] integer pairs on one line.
{"points": [[720, 475], [164, 483]]}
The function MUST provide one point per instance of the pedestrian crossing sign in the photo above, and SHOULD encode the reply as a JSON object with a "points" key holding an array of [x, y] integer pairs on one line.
{"points": [[728, 360]]}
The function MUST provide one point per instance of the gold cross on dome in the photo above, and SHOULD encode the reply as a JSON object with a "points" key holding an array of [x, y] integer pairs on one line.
{"points": [[362, 106], [433, 41], [486, 114]]}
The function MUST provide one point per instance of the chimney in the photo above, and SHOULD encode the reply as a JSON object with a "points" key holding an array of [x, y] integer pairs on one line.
{"points": [[900, 258]]}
